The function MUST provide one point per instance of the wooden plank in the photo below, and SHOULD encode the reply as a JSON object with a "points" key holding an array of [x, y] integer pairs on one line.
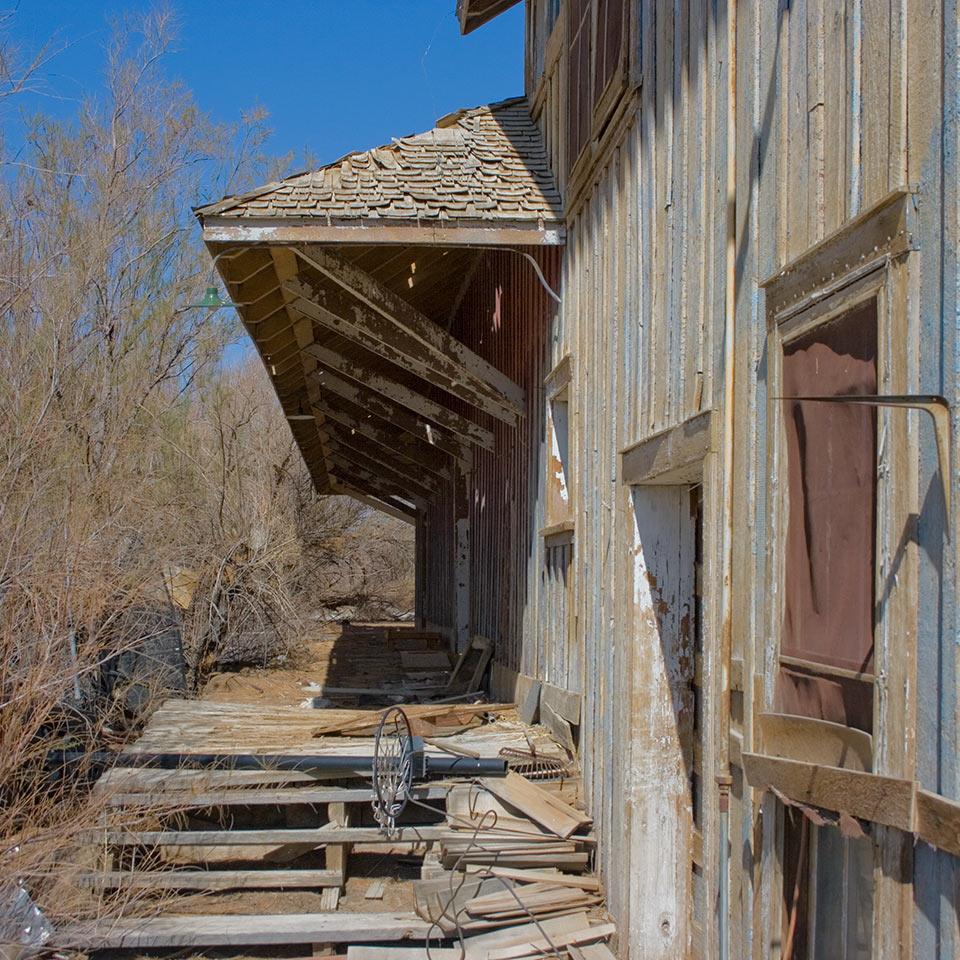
{"points": [[389, 411], [262, 797], [529, 708], [538, 805], [405, 478], [376, 890], [377, 483], [673, 456], [815, 741], [399, 393], [132, 933], [562, 702], [318, 836], [442, 233], [382, 299], [938, 821], [213, 879], [886, 229], [337, 854], [558, 726], [374, 503], [383, 337], [541, 945], [285, 265], [884, 800], [543, 876], [412, 450], [424, 660]]}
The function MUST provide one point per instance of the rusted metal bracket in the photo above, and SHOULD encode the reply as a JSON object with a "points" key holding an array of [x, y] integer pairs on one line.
{"points": [[937, 407]]}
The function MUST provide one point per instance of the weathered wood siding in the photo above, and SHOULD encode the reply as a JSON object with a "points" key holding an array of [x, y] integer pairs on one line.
{"points": [[838, 103]]}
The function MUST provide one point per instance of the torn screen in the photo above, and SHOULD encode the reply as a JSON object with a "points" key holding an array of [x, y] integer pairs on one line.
{"points": [[831, 470]]}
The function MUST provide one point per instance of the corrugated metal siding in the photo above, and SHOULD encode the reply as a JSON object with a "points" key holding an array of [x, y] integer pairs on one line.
{"points": [[507, 316]]}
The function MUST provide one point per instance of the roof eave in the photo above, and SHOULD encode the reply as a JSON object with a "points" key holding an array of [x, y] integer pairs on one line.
{"points": [[475, 13], [499, 232]]}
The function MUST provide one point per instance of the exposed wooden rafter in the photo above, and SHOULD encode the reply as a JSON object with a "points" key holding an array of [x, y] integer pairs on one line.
{"points": [[332, 309], [285, 265], [374, 484], [396, 509], [387, 453], [343, 453], [392, 306], [390, 442], [401, 394], [398, 416]]}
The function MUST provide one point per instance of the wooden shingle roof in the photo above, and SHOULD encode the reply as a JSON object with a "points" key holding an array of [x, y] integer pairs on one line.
{"points": [[479, 165]]}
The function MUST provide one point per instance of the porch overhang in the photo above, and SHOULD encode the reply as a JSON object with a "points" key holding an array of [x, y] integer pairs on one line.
{"points": [[475, 13], [348, 279]]}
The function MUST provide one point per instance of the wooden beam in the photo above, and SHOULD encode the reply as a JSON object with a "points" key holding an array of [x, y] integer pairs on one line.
{"points": [[401, 488], [395, 414], [285, 265], [401, 394], [673, 456], [245, 930], [938, 821], [406, 515], [212, 879], [377, 487], [354, 407], [398, 472], [886, 800], [382, 299], [339, 453], [814, 741], [397, 443], [501, 234], [332, 309], [312, 835]]}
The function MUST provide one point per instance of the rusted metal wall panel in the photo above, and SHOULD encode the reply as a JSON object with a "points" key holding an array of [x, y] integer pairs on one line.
{"points": [[507, 317]]}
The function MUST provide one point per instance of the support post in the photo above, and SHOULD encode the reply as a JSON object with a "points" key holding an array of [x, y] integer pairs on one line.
{"points": [[337, 854], [461, 561]]}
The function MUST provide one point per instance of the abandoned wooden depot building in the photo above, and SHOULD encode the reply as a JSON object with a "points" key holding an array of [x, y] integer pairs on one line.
{"points": [[565, 336]]}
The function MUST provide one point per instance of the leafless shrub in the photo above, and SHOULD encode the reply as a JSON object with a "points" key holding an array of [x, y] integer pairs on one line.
{"points": [[130, 447]]}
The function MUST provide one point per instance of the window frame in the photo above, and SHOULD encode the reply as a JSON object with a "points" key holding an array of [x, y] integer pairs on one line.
{"points": [[558, 386], [871, 258], [602, 103]]}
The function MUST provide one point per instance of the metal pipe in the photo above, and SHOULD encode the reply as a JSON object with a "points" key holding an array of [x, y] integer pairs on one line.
{"points": [[435, 767], [724, 891]]}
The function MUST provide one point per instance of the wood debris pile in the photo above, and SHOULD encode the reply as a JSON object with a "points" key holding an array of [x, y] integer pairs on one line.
{"points": [[502, 862]]}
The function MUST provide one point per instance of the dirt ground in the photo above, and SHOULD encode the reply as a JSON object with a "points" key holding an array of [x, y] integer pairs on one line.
{"points": [[351, 655]]}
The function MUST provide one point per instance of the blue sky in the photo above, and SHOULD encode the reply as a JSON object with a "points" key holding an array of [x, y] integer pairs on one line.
{"points": [[335, 75]]}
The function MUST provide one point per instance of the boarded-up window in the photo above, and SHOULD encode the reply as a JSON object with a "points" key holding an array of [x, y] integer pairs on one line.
{"points": [[611, 15], [579, 90], [596, 30], [831, 474]]}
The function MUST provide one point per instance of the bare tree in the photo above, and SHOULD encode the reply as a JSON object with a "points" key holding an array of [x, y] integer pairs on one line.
{"points": [[129, 445]]}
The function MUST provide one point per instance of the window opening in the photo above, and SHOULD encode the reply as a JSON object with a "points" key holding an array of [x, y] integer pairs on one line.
{"points": [[828, 891], [559, 502], [579, 92], [831, 463]]}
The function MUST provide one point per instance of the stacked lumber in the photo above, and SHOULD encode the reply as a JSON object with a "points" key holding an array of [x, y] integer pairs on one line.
{"points": [[574, 935], [515, 856], [197, 726], [513, 822]]}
